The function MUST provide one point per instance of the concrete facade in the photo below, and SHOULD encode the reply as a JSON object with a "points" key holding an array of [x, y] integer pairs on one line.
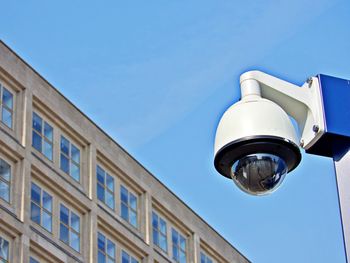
{"points": [[146, 195]]}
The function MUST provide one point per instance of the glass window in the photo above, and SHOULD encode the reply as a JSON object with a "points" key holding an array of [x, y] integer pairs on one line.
{"points": [[69, 228], [32, 260], [105, 187], [159, 232], [179, 246], [42, 136], [70, 159], [5, 180], [205, 258], [106, 249], [4, 250], [128, 206], [6, 106], [126, 258], [41, 207]]}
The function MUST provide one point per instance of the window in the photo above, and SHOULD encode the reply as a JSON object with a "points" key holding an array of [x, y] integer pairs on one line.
{"points": [[179, 246], [41, 207], [70, 228], [159, 232], [4, 250], [32, 260], [205, 258], [42, 136], [106, 249], [128, 206], [5, 179], [105, 187], [6, 106], [126, 258], [70, 159]]}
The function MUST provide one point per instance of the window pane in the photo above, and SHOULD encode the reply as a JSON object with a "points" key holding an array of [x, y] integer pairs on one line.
{"points": [[37, 121], [124, 212], [101, 240], [101, 257], [4, 191], [32, 260], [175, 253], [155, 220], [133, 201], [36, 141], [100, 175], [109, 199], [47, 221], [155, 237], [64, 164], [133, 260], [163, 242], [182, 257], [133, 218], [5, 170], [64, 234], [75, 154], [6, 117], [7, 98], [109, 260], [162, 226], [110, 249], [75, 222], [175, 237], [47, 150], [47, 201], [124, 194], [182, 243], [4, 249], [64, 215], [75, 172], [75, 241], [48, 131], [100, 193], [110, 183], [36, 194], [35, 213], [125, 257], [64, 146]]}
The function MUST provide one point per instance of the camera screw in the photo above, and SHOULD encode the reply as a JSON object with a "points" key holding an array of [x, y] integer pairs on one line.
{"points": [[315, 128], [301, 143], [309, 82]]}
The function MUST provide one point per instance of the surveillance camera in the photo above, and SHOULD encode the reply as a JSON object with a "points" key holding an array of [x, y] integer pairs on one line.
{"points": [[256, 143]]}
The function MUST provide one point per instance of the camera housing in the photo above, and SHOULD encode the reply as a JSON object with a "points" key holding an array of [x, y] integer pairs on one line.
{"points": [[256, 143]]}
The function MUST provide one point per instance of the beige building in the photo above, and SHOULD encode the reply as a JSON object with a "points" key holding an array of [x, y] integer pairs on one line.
{"points": [[69, 193]]}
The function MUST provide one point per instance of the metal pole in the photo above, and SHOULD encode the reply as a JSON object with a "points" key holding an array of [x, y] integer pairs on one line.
{"points": [[342, 169]]}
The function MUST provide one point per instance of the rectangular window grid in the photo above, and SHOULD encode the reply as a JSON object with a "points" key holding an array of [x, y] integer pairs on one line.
{"points": [[5, 180], [179, 246], [128, 206], [126, 258], [70, 159], [69, 228], [6, 106], [105, 187], [41, 207], [106, 249], [159, 231], [205, 258], [42, 136], [4, 250]]}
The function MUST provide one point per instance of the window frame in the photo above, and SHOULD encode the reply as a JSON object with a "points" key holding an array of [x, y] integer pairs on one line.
{"points": [[128, 206], [105, 253], [41, 207], [2, 106], [178, 245], [131, 257], [105, 187], [159, 232], [42, 136], [207, 258], [69, 227], [69, 157], [8, 183], [6, 260]]}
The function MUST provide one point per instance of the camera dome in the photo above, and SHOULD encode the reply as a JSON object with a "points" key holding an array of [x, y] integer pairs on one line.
{"points": [[259, 174]]}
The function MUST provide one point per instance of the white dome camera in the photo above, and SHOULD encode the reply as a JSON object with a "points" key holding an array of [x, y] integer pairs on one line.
{"points": [[256, 143]]}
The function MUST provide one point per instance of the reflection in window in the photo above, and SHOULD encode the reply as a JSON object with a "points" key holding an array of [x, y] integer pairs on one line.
{"points": [[105, 187], [128, 206], [179, 246], [42, 136], [6, 106], [205, 258], [70, 159], [41, 207], [159, 232], [4, 250], [5, 180], [106, 249], [69, 228], [126, 258]]}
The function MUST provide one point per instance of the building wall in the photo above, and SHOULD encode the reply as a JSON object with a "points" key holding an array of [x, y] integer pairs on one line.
{"points": [[26, 238]]}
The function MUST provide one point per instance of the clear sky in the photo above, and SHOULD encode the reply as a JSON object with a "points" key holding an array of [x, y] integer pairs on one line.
{"points": [[157, 76]]}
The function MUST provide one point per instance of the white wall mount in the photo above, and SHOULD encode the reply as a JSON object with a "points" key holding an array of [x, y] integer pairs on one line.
{"points": [[303, 103]]}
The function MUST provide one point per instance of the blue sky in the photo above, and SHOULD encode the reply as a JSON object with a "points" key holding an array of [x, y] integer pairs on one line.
{"points": [[157, 75]]}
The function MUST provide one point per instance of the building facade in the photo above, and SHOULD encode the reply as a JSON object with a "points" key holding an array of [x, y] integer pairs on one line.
{"points": [[69, 193]]}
